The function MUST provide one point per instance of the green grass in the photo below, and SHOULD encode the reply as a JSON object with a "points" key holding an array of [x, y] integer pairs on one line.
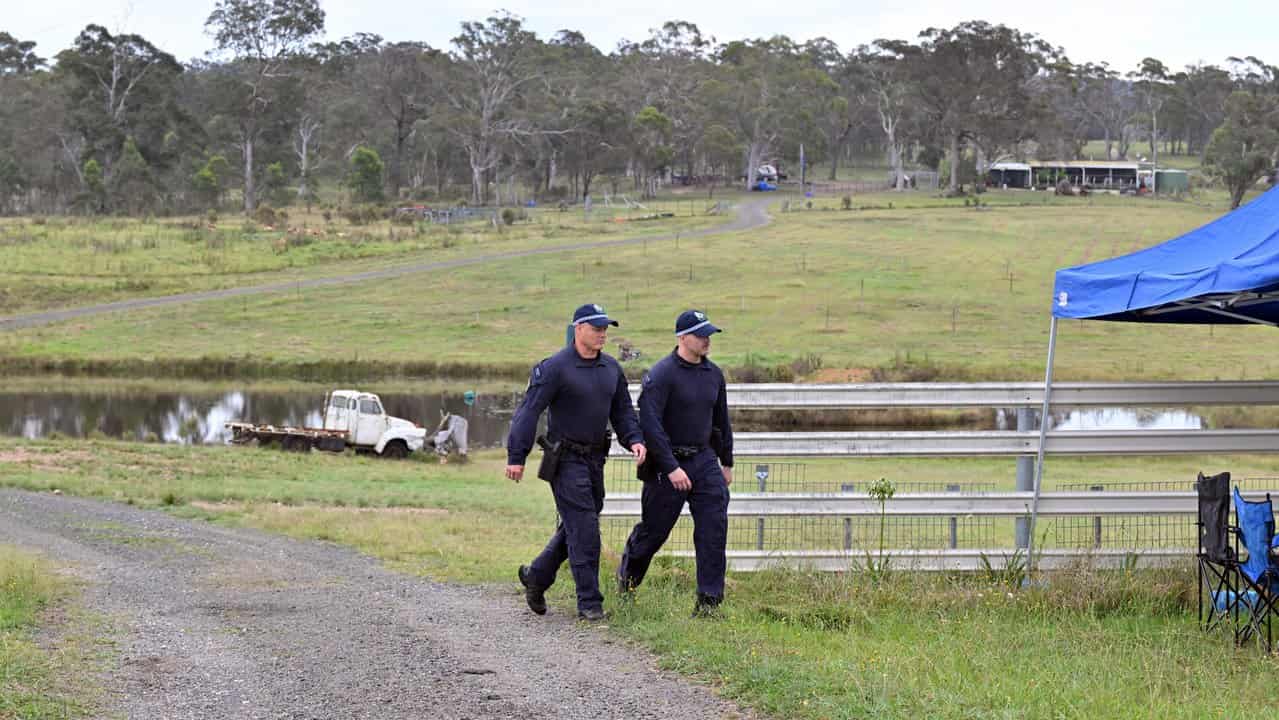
{"points": [[415, 514], [793, 644], [35, 682], [1087, 645], [56, 262], [910, 281]]}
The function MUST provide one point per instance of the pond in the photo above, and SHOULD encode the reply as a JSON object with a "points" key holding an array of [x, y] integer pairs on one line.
{"points": [[198, 417]]}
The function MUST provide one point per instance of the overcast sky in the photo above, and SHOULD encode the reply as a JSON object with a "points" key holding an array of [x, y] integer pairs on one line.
{"points": [[1121, 33]]}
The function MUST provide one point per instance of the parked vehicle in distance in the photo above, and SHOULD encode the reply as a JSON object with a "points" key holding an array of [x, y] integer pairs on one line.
{"points": [[351, 418]]}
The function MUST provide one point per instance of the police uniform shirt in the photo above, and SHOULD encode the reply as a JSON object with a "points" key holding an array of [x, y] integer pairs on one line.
{"points": [[679, 404], [582, 394]]}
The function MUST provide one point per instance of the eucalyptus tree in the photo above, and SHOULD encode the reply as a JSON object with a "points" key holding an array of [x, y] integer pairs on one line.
{"points": [[262, 39], [1197, 104], [1243, 149], [121, 98], [494, 63], [18, 57], [1112, 104], [668, 71], [758, 89]]}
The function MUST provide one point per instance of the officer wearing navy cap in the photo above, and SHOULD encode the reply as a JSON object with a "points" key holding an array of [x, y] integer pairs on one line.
{"points": [[585, 390], [684, 415]]}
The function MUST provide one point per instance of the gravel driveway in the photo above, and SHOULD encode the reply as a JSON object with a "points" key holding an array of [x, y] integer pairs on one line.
{"points": [[214, 622]]}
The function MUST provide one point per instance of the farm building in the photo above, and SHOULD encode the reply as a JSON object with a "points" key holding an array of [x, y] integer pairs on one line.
{"points": [[1101, 175]]}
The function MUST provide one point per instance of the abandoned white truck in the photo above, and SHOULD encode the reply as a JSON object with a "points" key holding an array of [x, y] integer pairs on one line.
{"points": [[351, 419]]}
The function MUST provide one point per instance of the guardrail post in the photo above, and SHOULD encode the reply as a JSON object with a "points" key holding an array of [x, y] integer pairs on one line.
{"points": [[1096, 520], [848, 522], [1025, 476], [954, 522], [761, 474]]}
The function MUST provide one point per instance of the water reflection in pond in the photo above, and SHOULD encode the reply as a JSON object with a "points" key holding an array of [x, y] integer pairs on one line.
{"points": [[198, 418]]}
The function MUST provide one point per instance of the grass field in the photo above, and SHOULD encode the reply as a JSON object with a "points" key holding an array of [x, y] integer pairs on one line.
{"points": [[906, 281], [68, 261], [1086, 644], [36, 681]]}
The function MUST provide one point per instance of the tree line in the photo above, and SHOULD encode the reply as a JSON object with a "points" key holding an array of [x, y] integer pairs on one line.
{"points": [[114, 124]]}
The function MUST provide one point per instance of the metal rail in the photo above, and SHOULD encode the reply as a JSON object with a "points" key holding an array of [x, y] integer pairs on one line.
{"points": [[1005, 395], [950, 560], [997, 443], [1001, 504]]}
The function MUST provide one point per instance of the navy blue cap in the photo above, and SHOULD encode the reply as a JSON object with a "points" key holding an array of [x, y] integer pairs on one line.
{"points": [[593, 314], [694, 322]]}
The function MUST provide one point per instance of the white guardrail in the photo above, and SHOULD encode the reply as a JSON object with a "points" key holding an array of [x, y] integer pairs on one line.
{"points": [[954, 505]]}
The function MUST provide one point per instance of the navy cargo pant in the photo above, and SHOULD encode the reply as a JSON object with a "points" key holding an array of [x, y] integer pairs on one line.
{"points": [[661, 505], [579, 497]]}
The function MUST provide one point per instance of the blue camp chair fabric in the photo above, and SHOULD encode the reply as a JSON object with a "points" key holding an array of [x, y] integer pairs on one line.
{"points": [[1256, 522], [1258, 572]]}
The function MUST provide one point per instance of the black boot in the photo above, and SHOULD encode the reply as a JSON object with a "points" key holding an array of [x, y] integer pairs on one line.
{"points": [[533, 595], [707, 606], [592, 614]]}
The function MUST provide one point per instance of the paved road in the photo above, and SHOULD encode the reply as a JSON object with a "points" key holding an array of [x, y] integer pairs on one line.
{"points": [[750, 214], [214, 622]]}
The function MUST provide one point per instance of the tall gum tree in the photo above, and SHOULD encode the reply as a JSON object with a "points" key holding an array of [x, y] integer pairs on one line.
{"points": [[262, 37]]}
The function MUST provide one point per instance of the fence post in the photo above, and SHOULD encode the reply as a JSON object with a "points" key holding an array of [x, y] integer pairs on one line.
{"points": [[1025, 476], [848, 522], [954, 521], [1096, 520], [761, 474]]}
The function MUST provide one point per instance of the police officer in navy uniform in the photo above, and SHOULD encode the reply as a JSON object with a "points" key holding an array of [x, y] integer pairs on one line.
{"points": [[684, 414], [585, 391]]}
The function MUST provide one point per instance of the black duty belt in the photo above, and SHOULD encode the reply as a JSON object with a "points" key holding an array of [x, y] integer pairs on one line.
{"points": [[684, 452], [597, 448]]}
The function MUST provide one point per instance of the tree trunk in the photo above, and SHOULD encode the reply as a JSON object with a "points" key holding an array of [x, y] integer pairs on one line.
{"points": [[899, 173], [397, 163], [477, 183], [249, 199], [954, 162], [752, 162]]}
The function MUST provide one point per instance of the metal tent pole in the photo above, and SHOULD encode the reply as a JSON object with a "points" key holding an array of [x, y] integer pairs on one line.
{"points": [[1044, 419]]}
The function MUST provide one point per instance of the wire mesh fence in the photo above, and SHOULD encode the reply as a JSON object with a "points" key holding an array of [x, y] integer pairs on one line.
{"points": [[813, 532], [825, 533], [915, 532], [1138, 531]]}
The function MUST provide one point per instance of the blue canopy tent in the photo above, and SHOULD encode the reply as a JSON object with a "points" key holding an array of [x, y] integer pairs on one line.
{"points": [[1224, 272]]}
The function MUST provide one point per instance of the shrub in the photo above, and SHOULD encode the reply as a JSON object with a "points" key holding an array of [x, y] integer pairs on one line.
{"points": [[265, 215], [366, 174], [846, 203], [508, 216]]}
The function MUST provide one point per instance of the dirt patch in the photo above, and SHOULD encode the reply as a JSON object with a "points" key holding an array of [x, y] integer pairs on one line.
{"points": [[55, 461], [840, 375], [285, 509]]}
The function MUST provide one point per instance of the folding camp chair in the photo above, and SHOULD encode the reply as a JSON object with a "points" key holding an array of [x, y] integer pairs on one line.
{"points": [[1216, 557], [1259, 573]]}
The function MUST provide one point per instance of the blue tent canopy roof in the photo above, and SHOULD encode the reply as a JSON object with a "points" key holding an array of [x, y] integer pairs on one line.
{"points": [[1224, 272]]}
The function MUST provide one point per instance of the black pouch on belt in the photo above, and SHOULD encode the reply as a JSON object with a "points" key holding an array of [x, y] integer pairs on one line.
{"points": [[647, 470], [551, 452]]}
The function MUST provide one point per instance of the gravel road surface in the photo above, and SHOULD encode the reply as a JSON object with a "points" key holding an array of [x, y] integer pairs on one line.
{"points": [[214, 622]]}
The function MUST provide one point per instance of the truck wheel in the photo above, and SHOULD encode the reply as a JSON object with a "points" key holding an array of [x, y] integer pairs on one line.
{"points": [[297, 444], [396, 450]]}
